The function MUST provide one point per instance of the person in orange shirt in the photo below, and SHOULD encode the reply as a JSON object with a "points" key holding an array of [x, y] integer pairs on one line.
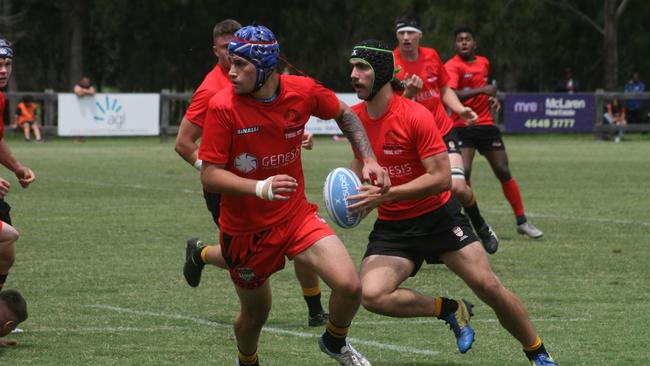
{"points": [[26, 118]]}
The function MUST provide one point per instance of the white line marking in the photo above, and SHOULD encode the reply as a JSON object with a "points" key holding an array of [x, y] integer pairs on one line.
{"points": [[392, 347], [431, 321], [90, 330]]}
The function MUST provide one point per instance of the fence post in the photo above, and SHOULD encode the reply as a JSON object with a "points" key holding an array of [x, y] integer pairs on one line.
{"points": [[600, 100], [165, 106], [48, 108]]}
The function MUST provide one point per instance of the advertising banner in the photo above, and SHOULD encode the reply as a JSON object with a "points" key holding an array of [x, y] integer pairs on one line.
{"points": [[109, 115], [556, 112], [319, 126]]}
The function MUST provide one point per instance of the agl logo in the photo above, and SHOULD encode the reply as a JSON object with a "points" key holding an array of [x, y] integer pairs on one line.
{"points": [[110, 112]]}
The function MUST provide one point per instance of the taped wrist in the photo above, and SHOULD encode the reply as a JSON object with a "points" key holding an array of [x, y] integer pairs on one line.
{"points": [[264, 189]]}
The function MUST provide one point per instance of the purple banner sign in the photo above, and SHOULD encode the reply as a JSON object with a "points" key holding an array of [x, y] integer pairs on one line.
{"points": [[537, 112]]}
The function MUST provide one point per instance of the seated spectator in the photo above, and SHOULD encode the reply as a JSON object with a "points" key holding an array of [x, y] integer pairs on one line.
{"points": [[615, 116], [13, 311], [26, 112]]}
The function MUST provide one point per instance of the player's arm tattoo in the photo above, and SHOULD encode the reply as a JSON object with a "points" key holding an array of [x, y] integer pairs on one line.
{"points": [[352, 128]]}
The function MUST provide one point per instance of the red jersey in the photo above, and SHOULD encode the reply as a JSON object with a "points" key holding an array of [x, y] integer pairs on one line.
{"points": [[429, 68], [464, 75], [400, 139], [214, 81], [2, 114], [257, 140]]}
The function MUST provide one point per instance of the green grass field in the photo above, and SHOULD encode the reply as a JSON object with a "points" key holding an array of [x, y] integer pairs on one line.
{"points": [[104, 229]]}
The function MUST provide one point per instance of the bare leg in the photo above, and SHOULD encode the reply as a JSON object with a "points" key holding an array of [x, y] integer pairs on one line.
{"points": [[471, 264], [255, 308]]}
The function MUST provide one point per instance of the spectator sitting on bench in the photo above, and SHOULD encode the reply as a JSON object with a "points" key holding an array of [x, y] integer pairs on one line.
{"points": [[615, 116]]}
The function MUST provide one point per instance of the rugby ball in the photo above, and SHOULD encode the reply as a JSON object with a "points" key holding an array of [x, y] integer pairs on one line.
{"points": [[339, 184]]}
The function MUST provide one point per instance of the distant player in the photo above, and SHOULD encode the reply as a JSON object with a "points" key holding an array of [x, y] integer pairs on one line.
{"points": [[197, 254], [418, 218], [8, 235], [13, 311], [425, 81], [469, 77], [251, 155]]}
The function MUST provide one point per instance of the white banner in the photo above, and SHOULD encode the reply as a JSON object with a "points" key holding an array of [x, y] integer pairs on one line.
{"points": [[109, 115], [319, 126]]}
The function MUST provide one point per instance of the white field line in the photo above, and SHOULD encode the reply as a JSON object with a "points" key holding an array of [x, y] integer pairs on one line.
{"points": [[385, 346], [431, 321], [91, 330], [495, 211]]}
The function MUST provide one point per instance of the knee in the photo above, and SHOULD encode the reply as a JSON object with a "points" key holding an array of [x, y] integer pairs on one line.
{"points": [[488, 288], [372, 300], [9, 234], [252, 319], [350, 290], [502, 172]]}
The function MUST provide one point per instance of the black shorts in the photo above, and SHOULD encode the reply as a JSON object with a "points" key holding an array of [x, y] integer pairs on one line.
{"points": [[422, 238], [4, 212], [213, 202], [482, 138], [452, 142]]}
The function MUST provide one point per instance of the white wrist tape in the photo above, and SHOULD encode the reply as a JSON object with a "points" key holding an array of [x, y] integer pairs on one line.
{"points": [[198, 163], [259, 189]]}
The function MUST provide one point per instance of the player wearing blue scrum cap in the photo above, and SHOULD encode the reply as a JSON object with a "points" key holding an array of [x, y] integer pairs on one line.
{"points": [[8, 235], [251, 155]]}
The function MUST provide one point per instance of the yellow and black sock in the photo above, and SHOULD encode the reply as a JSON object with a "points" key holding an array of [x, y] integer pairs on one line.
{"points": [[444, 307], [248, 360], [312, 297], [198, 256], [534, 349], [334, 336], [471, 209]]}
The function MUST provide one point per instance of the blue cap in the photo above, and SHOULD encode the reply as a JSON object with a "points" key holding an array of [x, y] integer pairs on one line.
{"points": [[5, 49], [258, 45]]}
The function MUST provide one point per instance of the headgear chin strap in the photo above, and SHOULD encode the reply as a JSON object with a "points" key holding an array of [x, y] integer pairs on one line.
{"points": [[5, 49], [379, 57], [258, 45]]}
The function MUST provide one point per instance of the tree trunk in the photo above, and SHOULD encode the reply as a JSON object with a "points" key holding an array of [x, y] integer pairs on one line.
{"points": [[77, 18], [611, 45]]}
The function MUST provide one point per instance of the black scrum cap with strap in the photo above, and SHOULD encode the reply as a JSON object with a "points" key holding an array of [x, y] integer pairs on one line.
{"points": [[379, 56]]}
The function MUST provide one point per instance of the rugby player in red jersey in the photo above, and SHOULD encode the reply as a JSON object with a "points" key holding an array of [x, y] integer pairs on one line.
{"points": [[197, 253], [468, 74], [251, 151], [425, 80], [8, 235], [418, 218]]}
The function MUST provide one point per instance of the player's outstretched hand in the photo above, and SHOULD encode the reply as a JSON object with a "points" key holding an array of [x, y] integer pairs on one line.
{"points": [[25, 176], [494, 104], [374, 174], [368, 198], [4, 187]]}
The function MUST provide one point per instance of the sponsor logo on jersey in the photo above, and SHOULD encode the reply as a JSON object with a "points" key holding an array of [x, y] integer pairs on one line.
{"points": [[246, 163], [431, 75], [293, 131], [468, 76], [247, 130], [400, 170], [392, 149], [280, 160], [246, 274]]}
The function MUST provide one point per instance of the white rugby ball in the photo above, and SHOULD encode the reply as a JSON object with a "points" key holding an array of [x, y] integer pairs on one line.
{"points": [[339, 184]]}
